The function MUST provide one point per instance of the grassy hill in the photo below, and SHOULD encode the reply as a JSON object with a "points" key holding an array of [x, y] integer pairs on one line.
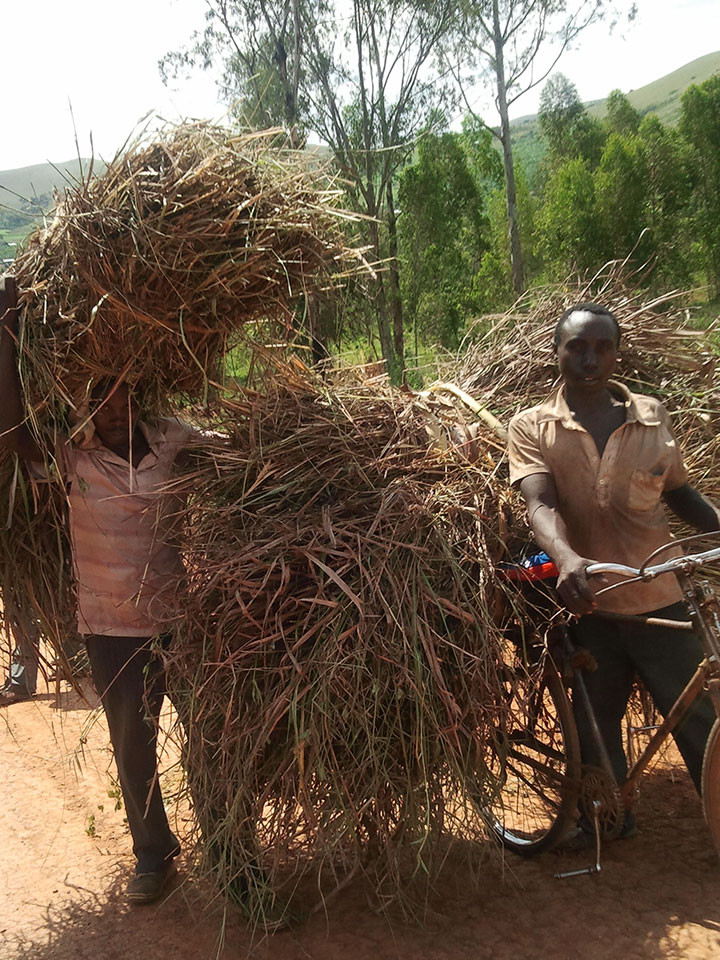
{"points": [[661, 97], [41, 178], [28, 191]]}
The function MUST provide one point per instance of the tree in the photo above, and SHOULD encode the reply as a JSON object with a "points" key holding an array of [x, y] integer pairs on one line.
{"points": [[367, 89], [517, 43], [621, 193], [260, 46], [669, 188], [372, 92], [622, 117], [700, 125], [570, 229], [443, 229], [569, 129]]}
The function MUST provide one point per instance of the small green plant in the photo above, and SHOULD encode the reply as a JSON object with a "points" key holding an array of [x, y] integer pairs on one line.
{"points": [[90, 825], [115, 794]]}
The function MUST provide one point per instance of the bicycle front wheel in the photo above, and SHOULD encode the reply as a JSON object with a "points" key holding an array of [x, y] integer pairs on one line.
{"points": [[711, 784], [539, 765]]}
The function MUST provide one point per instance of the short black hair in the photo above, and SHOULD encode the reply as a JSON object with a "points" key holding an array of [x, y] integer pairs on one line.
{"points": [[595, 308]]}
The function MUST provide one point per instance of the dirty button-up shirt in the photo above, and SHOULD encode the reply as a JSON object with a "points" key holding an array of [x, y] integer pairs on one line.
{"points": [[611, 505], [127, 563]]}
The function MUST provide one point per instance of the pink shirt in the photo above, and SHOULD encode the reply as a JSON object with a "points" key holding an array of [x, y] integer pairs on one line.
{"points": [[127, 563], [611, 505]]}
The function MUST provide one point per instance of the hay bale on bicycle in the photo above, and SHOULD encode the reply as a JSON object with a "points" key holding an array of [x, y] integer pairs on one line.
{"points": [[338, 657]]}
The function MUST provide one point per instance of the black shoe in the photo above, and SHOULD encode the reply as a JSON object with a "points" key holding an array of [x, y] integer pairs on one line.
{"points": [[9, 693], [147, 887]]}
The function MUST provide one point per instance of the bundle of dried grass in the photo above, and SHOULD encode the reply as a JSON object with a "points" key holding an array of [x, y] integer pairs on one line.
{"points": [[149, 270], [336, 665]]}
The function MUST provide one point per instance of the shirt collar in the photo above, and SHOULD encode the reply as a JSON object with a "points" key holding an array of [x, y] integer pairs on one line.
{"points": [[152, 434], [556, 408]]}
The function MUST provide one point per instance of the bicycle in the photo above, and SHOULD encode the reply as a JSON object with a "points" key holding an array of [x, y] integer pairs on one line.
{"points": [[543, 784]]}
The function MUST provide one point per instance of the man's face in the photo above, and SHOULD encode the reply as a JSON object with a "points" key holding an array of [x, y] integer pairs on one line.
{"points": [[113, 418], [587, 351]]}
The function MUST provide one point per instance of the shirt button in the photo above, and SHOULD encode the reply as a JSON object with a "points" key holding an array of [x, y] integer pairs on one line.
{"points": [[603, 483]]}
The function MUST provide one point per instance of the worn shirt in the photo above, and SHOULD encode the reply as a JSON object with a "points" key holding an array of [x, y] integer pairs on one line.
{"points": [[122, 528], [611, 505]]}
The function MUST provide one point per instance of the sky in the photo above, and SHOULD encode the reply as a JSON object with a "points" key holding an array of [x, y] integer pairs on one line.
{"points": [[100, 58]]}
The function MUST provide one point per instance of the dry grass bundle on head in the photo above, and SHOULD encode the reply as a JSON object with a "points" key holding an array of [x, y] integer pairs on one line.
{"points": [[151, 269], [336, 666]]}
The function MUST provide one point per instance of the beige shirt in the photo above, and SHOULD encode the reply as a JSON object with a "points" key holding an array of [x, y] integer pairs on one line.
{"points": [[611, 505], [122, 528]]}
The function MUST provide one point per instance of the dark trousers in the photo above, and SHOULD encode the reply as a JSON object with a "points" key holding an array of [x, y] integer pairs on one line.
{"points": [[665, 660], [131, 684]]}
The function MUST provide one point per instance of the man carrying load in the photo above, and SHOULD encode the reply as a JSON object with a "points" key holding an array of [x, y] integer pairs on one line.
{"points": [[125, 560]]}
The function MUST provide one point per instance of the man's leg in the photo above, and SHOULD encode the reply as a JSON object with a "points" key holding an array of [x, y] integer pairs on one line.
{"points": [[608, 689], [666, 659], [122, 667], [22, 676]]}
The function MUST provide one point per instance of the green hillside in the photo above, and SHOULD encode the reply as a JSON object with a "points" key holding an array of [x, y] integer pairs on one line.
{"points": [[661, 97], [26, 192]]}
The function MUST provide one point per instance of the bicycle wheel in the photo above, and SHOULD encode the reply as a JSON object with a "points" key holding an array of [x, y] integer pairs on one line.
{"points": [[538, 764], [711, 783]]}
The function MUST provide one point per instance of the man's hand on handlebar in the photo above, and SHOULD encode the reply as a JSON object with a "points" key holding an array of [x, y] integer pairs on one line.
{"points": [[573, 587]]}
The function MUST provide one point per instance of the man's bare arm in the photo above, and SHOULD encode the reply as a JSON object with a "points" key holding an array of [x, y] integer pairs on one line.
{"points": [[550, 532], [14, 435], [693, 508]]}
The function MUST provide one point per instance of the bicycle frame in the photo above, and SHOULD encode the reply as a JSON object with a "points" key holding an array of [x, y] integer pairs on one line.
{"points": [[704, 609]]}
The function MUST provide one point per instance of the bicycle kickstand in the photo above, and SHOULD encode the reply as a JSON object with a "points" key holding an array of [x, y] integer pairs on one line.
{"points": [[595, 868]]}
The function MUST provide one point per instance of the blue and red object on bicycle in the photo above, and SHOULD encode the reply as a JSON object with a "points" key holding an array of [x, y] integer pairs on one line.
{"points": [[537, 567]]}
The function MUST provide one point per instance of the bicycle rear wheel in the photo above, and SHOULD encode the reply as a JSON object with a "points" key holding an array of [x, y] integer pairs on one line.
{"points": [[711, 784], [538, 764]]}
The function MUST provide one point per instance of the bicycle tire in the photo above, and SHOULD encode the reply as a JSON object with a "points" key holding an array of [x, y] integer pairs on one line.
{"points": [[711, 783], [539, 766]]}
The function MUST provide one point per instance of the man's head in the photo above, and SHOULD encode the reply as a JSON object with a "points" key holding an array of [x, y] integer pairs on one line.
{"points": [[586, 341], [114, 412]]}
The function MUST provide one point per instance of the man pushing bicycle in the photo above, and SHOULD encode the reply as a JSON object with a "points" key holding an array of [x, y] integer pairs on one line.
{"points": [[595, 463]]}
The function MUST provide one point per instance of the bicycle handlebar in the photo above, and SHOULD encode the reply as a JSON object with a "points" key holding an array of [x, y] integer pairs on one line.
{"points": [[684, 564]]}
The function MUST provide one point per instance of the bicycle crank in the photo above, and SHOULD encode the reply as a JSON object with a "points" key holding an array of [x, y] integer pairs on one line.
{"points": [[598, 787]]}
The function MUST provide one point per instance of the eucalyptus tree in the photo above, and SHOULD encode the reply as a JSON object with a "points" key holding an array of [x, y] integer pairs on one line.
{"points": [[513, 45], [362, 76]]}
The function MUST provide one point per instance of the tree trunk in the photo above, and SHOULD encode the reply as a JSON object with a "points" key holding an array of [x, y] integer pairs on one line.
{"points": [[396, 306], [516, 256]]}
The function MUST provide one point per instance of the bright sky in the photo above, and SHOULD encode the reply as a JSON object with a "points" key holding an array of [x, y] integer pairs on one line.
{"points": [[101, 56]]}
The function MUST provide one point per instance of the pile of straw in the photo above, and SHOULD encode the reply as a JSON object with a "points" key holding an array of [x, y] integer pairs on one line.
{"points": [[150, 270], [336, 663]]}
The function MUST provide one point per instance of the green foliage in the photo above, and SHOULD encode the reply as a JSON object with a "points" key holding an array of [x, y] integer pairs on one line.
{"points": [[669, 187], [442, 230], [620, 191], [621, 117], [566, 125], [492, 285], [700, 124], [570, 230]]}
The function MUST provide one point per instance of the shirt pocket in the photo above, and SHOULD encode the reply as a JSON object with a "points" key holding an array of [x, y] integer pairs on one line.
{"points": [[646, 488]]}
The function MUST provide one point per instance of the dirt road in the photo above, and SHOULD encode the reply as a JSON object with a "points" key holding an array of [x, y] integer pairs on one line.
{"points": [[65, 858]]}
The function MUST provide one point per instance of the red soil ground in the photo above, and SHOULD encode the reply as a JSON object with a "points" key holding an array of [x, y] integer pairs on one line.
{"points": [[65, 858]]}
